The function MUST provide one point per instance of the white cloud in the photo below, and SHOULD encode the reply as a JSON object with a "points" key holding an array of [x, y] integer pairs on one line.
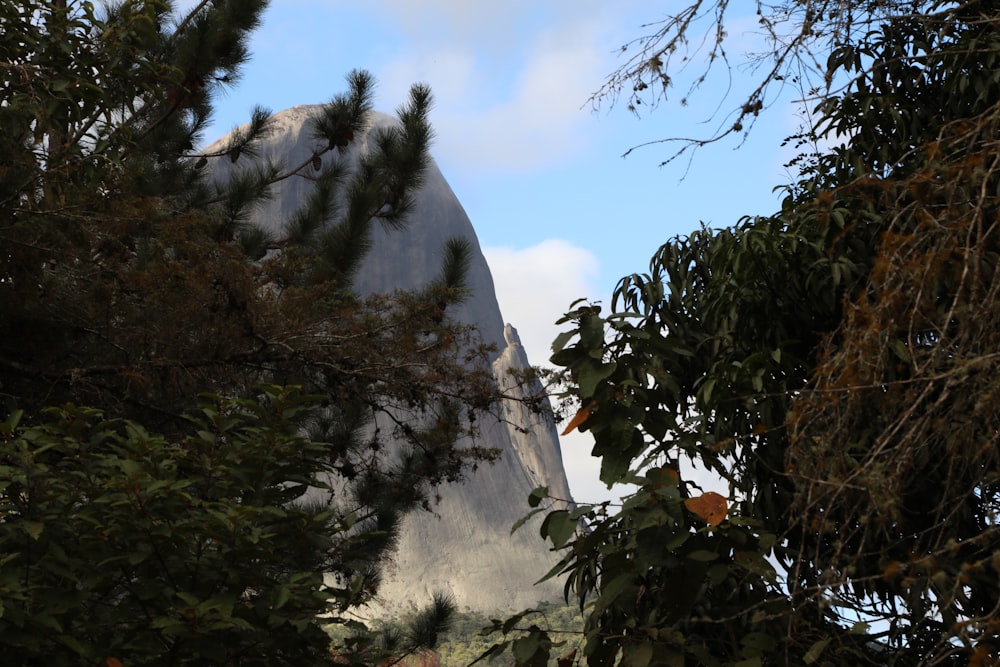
{"points": [[524, 117], [536, 285], [491, 25], [510, 79]]}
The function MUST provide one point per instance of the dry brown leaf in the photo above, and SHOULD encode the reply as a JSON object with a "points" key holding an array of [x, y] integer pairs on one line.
{"points": [[709, 506], [581, 416]]}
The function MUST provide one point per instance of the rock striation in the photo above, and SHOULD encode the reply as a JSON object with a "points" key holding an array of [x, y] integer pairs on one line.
{"points": [[465, 547]]}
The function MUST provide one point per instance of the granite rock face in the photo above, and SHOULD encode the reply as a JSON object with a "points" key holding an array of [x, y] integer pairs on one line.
{"points": [[465, 547]]}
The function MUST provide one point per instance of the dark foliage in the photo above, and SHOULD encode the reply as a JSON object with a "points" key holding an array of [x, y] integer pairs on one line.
{"points": [[835, 364], [129, 283]]}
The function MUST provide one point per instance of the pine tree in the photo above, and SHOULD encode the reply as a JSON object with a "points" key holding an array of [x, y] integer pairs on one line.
{"points": [[130, 282]]}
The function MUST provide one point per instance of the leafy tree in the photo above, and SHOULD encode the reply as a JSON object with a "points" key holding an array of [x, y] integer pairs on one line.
{"points": [[835, 364], [123, 544], [130, 281]]}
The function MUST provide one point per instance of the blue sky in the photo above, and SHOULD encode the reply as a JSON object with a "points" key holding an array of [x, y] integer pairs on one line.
{"points": [[559, 213]]}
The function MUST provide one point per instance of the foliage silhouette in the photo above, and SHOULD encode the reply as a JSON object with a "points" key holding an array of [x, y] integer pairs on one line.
{"points": [[131, 281], [834, 363]]}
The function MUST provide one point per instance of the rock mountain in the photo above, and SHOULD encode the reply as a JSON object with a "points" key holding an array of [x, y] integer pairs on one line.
{"points": [[465, 547]]}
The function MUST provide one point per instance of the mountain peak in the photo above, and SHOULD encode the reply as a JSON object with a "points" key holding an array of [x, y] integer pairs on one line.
{"points": [[465, 546]]}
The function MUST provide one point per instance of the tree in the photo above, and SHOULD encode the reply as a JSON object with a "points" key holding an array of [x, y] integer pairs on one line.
{"points": [[124, 545], [834, 364], [796, 38], [130, 282]]}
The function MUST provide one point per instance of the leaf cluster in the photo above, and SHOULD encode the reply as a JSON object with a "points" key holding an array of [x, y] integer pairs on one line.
{"points": [[122, 543], [133, 278], [833, 365]]}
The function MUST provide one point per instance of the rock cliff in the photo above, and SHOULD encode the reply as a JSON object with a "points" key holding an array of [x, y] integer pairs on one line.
{"points": [[465, 546]]}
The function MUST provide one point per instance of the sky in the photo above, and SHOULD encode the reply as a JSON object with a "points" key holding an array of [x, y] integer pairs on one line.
{"points": [[559, 213]]}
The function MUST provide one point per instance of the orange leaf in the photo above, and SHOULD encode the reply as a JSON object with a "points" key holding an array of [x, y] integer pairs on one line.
{"points": [[113, 662], [709, 506], [581, 416]]}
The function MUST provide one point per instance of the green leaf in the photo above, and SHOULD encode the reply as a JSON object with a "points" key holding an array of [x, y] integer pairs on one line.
{"points": [[47, 621], [560, 342], [129, 467], [718, 573], [760, 642], [814, 652], [610, 591], [705, 391], [241, 623], [592, 374], [677, 540], [170, 624], [495, 650], [532, 649], [513, 621], [900, 349], [188, 598], [33, 528], [524, 519], [8, 426], [565, 357], [524, 648], [559, 527], [766, 540], [281, 597], [702, 654], [637, 655], [537, 495], [556, 569]]}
